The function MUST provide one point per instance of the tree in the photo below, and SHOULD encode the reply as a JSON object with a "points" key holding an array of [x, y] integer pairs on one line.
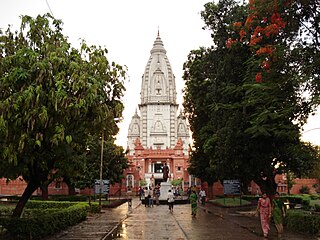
{"points": [[285, 67], [212, 76], [52, 97], [244, 126], [114, 163]]}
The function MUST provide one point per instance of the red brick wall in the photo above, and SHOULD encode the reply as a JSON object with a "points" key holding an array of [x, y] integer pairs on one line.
{"points": [[304, 182], [13, 187]]}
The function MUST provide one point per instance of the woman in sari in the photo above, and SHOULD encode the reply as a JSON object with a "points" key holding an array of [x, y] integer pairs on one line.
{"points": [[278, 213], [264, 207], [194, 203]]}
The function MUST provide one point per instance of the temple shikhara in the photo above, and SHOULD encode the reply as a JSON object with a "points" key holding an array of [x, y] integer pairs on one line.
{"points": [[158, 132]]}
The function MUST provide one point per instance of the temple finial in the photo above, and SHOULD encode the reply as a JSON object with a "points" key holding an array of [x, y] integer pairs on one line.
{"points": [[158, 32]]}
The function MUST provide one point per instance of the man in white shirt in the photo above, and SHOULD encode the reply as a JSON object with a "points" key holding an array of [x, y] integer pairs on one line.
{"points": [[170, 200], [202, 196]]}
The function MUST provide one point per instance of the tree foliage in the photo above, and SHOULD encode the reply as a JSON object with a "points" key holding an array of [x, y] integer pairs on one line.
{"points": [[114, 162], [52, 97], [244, 97]]}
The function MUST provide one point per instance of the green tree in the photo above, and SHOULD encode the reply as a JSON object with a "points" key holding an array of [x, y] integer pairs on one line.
{"points": [[243, 126], [176, 182], [213, 77], [52, 97], [114, 163]]}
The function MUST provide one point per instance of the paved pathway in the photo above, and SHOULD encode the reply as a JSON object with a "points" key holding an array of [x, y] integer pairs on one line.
{"points": [[158, 223]]}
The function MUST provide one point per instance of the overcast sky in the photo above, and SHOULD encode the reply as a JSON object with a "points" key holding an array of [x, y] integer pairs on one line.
{"points": [[128, 29]]}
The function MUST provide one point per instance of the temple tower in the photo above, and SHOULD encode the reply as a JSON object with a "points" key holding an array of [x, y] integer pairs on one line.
{"points": [[157, 134], [158, 125]]}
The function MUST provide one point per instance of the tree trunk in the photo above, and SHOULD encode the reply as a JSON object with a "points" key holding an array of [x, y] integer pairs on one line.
{"points": [[31, 187], [89, 198], [71, 188], [244, 187], [210, 190], [44, 191]]}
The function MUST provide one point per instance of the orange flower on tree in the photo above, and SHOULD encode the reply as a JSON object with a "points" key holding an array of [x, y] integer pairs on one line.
{"points": [[249, 21], [265, 50], [272, 30], [258, 30], [259, 77], [265, 64], [242, 34], [237, 24], [276, 19], [230, 42], [255, 40], [251, 4]]}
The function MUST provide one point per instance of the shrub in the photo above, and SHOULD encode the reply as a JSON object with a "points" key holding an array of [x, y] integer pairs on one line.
{"points": [[70, 198], [6, 211], [295, 199], [303, 222], [43, 221], [314, 196], [48, 204], [317, 207], [250, 198], [304, 189], [306, 202], [94, 207]]}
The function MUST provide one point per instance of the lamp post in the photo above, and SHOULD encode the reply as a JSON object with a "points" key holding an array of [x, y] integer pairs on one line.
{"points": [[101, 165], [101, 161]]}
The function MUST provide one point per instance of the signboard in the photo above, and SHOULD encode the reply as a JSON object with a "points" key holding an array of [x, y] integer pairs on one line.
{"points": [[231, 187], [105, 186]]}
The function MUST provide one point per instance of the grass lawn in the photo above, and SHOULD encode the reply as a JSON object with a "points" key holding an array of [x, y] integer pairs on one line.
{"points": [[230, 202], [314, 202]]}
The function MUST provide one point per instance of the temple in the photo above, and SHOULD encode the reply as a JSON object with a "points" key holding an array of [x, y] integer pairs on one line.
{"points": [[158, 132]]}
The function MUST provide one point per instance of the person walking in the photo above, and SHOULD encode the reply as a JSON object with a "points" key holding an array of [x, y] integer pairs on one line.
{"points": [[189, 193], [146, 199], [170, 200], [157, 194], [264, 207], [194, 203], [278, 214], [150, 197], [141, 193], [202, 196]]}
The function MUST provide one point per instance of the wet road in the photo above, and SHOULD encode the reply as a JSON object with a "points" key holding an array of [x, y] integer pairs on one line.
{"points": [[158, 223]]}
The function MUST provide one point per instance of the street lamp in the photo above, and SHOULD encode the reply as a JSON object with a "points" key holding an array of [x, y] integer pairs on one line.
{"points": [[101, 161]]}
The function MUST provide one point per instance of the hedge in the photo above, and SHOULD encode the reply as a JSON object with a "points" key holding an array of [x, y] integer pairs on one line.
{"points": [[303, 221], [31, 204], [70, 198], [44, 220]]}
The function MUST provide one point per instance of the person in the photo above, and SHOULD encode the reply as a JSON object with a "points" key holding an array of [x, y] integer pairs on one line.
{"points": [[170, 200], [165, 171], [141, 192], [194, 203], [175, 191], [146, 199], [278, 213], [150, 197], [157, 194], [202, 196], [189, 193], [264, 207]]}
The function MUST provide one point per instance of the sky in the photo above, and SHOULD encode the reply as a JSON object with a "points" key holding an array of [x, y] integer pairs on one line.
{"points": [[128, 29]]}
